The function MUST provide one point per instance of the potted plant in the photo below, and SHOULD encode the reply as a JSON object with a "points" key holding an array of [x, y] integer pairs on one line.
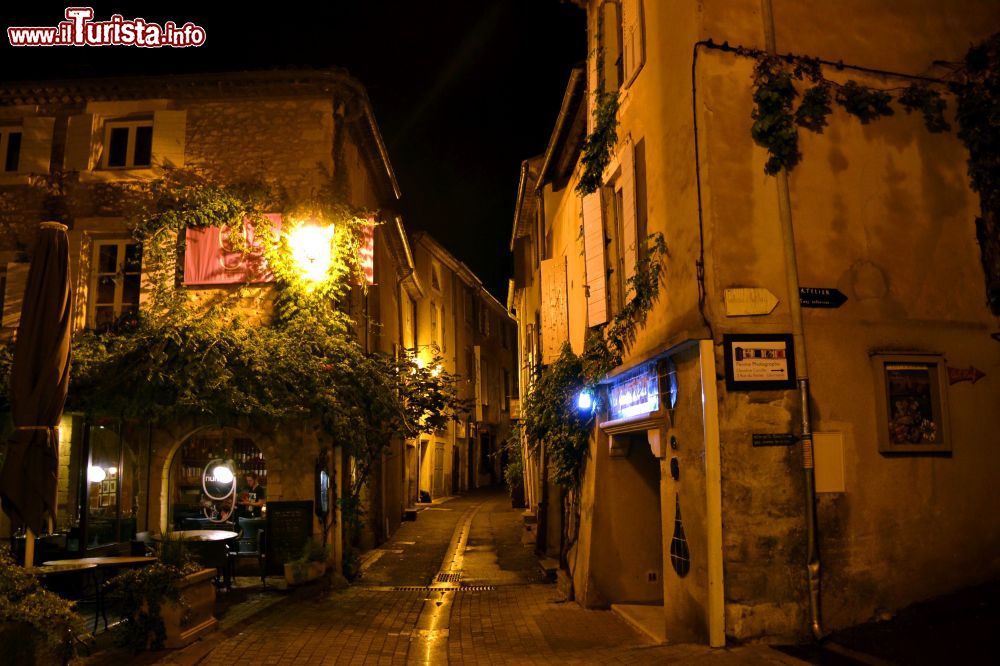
{"points": [[169, 603], [35, 624], [310, 566]]}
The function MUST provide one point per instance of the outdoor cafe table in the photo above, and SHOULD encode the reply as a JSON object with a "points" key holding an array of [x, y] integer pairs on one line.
{"points": [[209, 546], [104, 566], [55, 570]]}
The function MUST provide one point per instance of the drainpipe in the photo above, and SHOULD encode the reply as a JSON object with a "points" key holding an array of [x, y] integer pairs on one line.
{"points": [[802, 371]]}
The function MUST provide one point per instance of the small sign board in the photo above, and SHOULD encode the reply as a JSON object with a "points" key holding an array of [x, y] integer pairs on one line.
{"points": [[288, 526], [635, 392], [744, 301], [759, 362], [774, 439], [821, 297]]}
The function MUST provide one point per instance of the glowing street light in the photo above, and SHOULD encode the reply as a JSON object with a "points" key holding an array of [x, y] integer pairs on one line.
{"points": [[585, 401], [312, 251]]}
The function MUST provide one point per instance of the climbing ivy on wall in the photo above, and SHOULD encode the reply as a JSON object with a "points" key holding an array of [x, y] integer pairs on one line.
{"points": [[549, 411], [777, 118], [780, 110], [283, 352], [976, 85]]}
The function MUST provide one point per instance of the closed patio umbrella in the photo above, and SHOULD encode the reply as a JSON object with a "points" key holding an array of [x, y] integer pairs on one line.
{"points": [[38, 384]]}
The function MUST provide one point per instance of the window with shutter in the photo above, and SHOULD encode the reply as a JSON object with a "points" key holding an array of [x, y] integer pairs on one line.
{"points": [[628, 229], [128, 144], [114, 282], [10, 149], [633, 47], [36, 146], [596, 266]]}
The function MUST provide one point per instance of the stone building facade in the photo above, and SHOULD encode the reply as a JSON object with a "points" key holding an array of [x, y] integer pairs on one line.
{"points": [[475, 336], [300, 130], [700, 506]]}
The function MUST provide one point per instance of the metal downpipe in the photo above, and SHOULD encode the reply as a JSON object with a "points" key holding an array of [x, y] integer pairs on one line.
{"points": [[813, 569]]}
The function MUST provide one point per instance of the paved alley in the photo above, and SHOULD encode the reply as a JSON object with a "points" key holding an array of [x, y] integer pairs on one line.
{"points": [[455, 587]]}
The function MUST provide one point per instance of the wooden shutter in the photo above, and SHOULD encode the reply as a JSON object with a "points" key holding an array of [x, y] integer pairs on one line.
{"points": [[36, 145], [633, 49], [169, 128], [79, 142], [593, 248], [630, 248], [591, 80], [555, 324], [478, 369], [13, 297]]}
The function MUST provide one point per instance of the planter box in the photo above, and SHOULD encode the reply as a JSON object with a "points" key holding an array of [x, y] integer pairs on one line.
{"points": [[23, 644], [297, 573], [198, 593]]}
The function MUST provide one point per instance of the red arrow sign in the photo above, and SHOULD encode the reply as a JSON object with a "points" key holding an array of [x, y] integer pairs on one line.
{"points": [[970, 374]]}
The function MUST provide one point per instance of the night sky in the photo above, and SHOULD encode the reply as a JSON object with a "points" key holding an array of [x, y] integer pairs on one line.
{"points": [[463, 90]]}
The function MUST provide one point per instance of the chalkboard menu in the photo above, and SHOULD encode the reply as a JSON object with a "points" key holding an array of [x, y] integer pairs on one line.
{"points": [[289, 525]]}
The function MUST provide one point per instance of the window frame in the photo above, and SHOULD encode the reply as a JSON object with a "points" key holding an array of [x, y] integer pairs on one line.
{"points": [[937, 388], [5, 134], [132, 125], [122, 243]]}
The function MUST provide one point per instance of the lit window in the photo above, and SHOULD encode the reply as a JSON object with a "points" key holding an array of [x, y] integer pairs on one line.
{"points": [[128, 144], [114, 283], [10, 149]]}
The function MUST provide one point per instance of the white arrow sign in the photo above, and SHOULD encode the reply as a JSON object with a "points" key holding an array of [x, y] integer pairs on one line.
{"points": [[743, 301]]}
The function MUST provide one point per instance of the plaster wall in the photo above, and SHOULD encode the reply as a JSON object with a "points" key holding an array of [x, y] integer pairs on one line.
{"points": [[882, 212], [685, 597]]}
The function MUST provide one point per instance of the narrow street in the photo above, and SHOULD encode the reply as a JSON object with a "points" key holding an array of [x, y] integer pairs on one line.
{"points": [[455, 587]]}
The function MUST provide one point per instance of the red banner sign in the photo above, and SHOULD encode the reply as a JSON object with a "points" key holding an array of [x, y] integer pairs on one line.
{"points": [[366, 251], [210, 258]]}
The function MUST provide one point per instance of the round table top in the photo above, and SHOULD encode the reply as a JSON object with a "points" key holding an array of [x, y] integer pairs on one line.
{"points": [[104, 561], [200, 535], [48, 569]]}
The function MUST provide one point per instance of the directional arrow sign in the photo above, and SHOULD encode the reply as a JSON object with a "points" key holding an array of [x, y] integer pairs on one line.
{"points": [[744, 301], [813, 297]]}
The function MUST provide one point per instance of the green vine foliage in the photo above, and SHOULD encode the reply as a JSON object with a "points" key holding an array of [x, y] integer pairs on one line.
{"points": [[776, 118], [550, 416], [773, 120], [549, 412], [977, 89], [975, 83], [864, 103], [286, 351], [32, 619], [599, 144]]}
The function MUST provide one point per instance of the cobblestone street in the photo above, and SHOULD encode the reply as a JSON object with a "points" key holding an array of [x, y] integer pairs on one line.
{"points": [[499, 613]]}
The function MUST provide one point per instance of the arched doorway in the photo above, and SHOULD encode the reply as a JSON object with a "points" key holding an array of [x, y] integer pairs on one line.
{"points": [[199, 492]]}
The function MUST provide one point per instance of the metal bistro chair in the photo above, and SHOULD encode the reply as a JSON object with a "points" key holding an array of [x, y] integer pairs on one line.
{"points": [[250, 543]]}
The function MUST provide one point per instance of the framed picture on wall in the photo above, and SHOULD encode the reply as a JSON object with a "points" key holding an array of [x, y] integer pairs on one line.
{"points": [[911, 403]]}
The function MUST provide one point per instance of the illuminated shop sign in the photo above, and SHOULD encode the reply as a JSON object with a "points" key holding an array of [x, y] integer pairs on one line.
{"points": [[634, 393]]}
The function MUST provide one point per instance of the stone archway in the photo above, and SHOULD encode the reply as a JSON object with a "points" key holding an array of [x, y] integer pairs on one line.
{"points": [[168, 443]]}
